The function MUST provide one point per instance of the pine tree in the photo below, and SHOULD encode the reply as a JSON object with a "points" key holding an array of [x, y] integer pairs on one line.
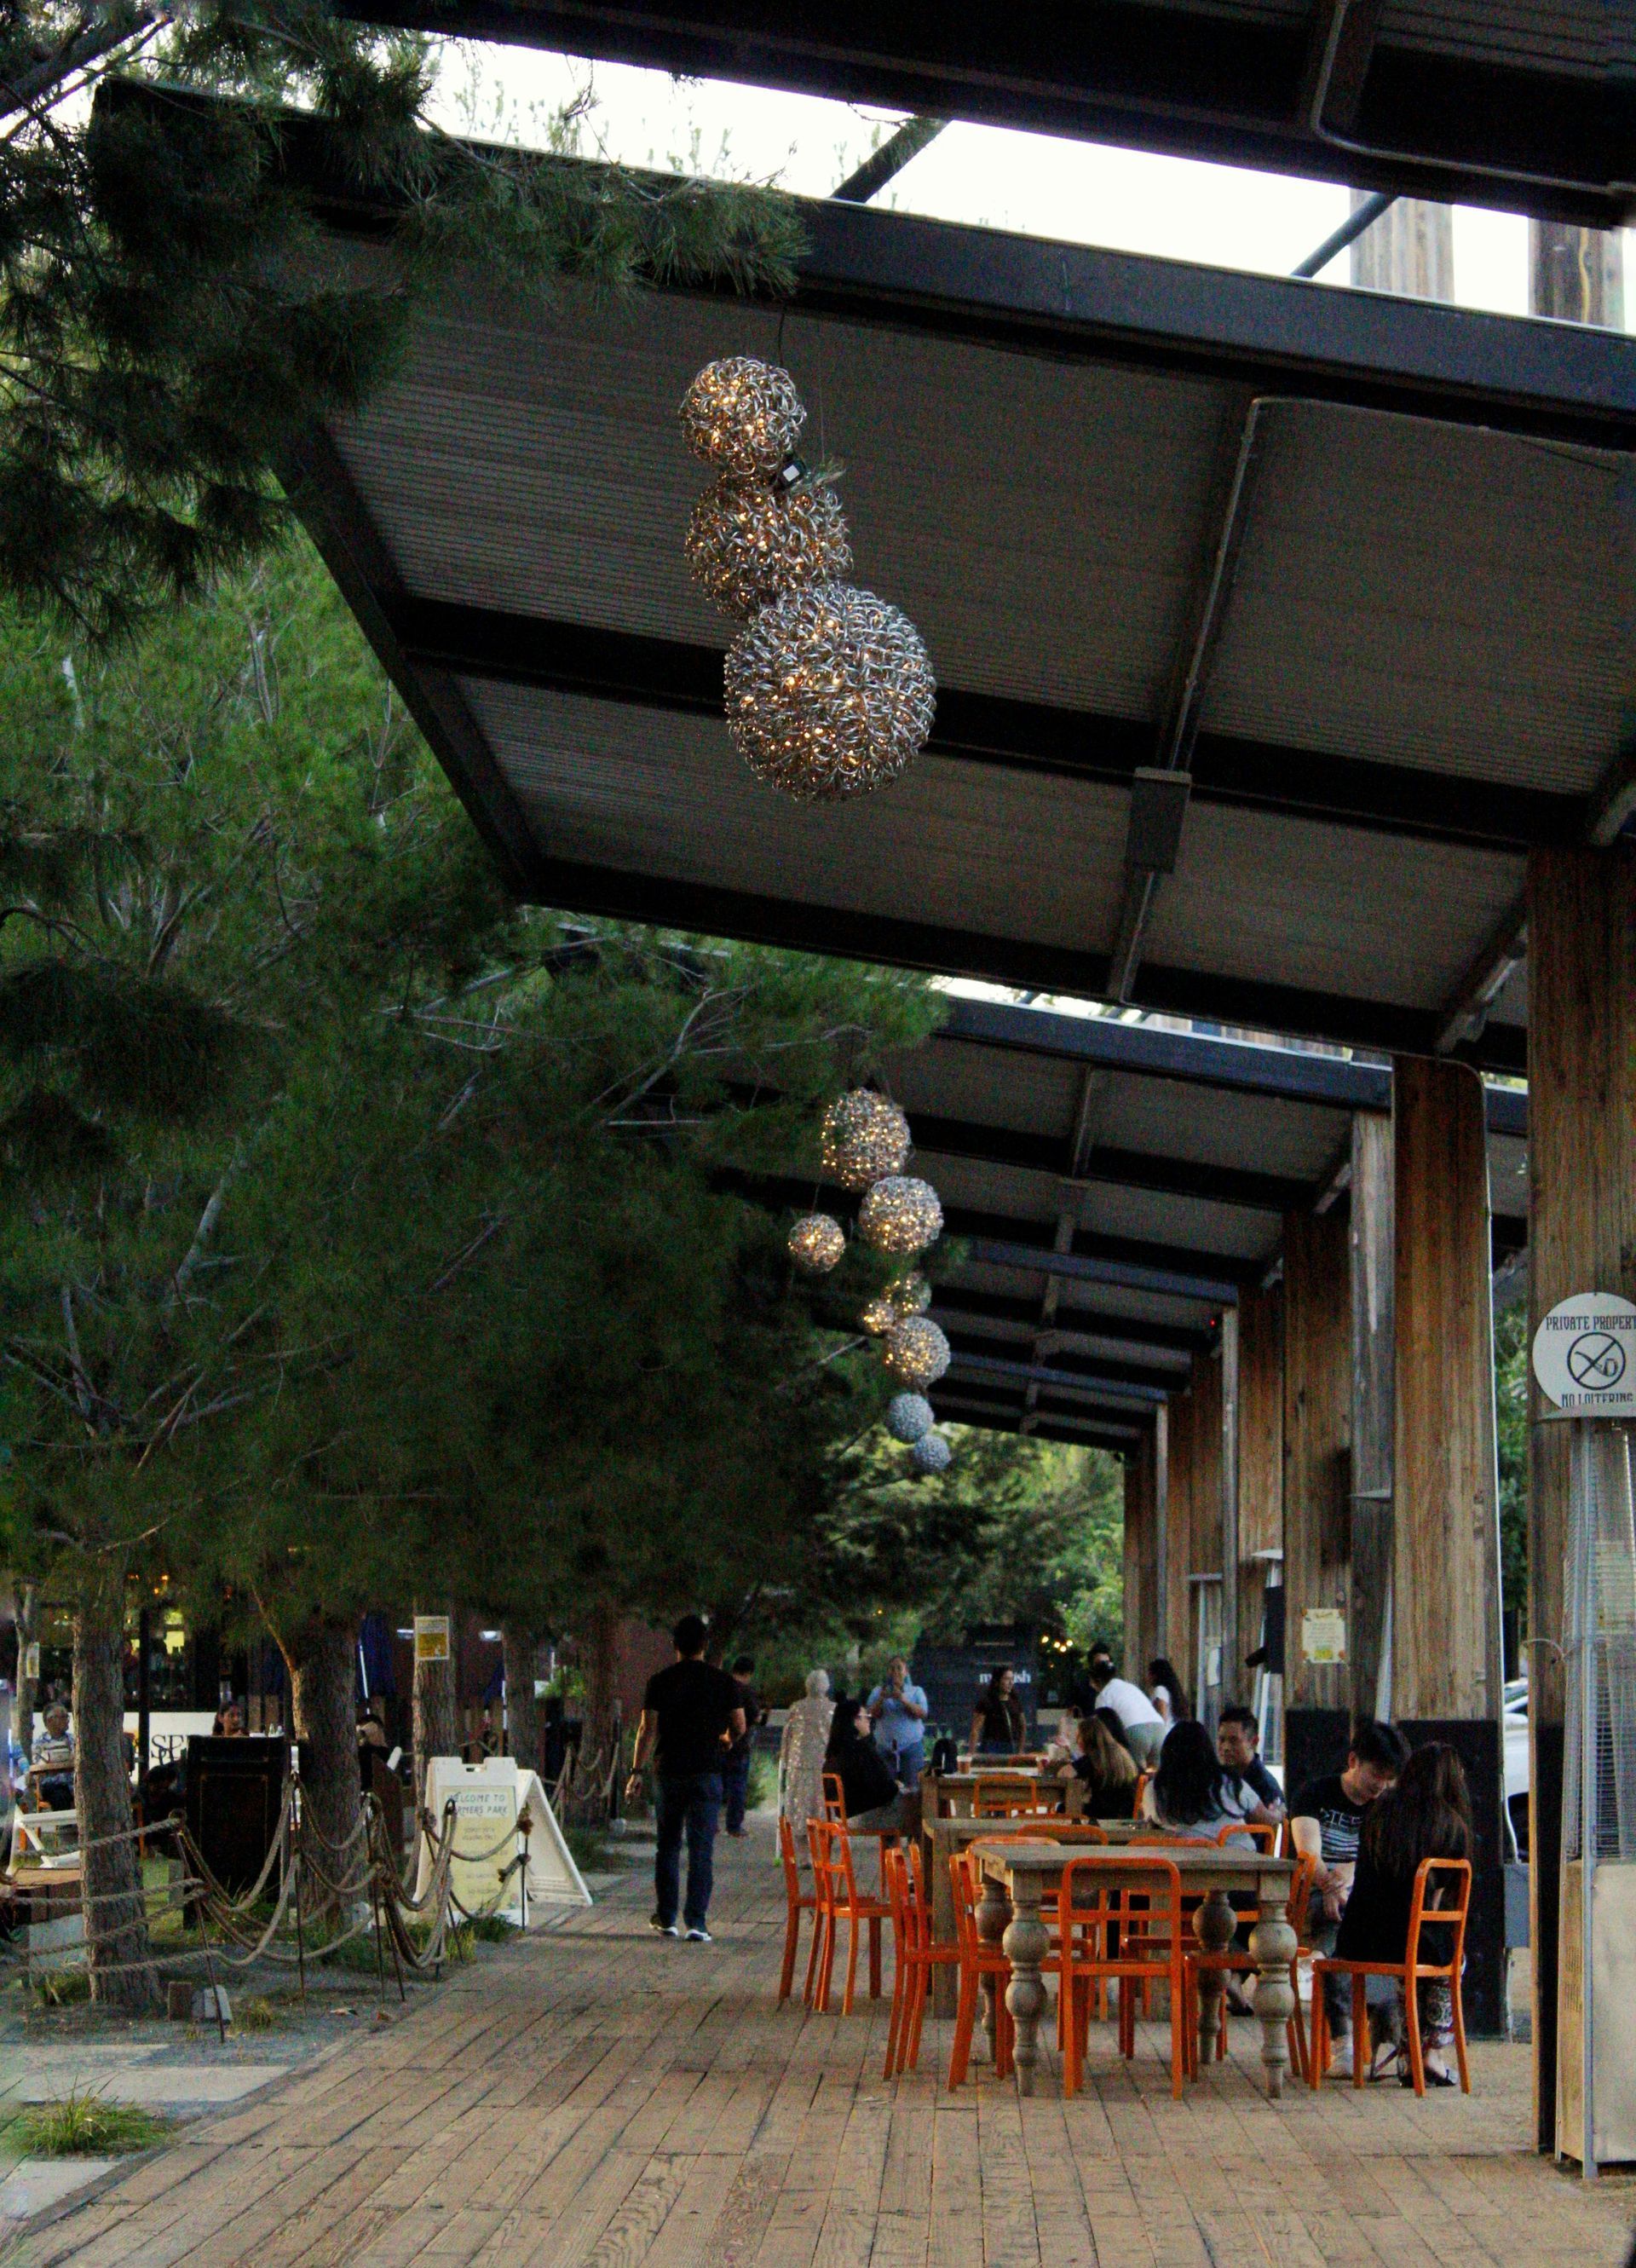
{"points": [[175, 315]]}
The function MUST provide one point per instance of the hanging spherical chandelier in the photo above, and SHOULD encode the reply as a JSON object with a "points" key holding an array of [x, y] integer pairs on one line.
{"points": [[908, 1416], [910, 1294], [747, 541], [931, 1454], [742, 416], [916, 1353], [900, 1214], [864, 1137], [829, 692], [815, 1243]]}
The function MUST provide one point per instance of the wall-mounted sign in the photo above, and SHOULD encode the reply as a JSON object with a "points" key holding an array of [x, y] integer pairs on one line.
{"points": [[1585, 1355], [432, 1638], [1323, 1634]]}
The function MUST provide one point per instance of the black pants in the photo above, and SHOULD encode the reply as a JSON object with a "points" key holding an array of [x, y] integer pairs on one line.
{"points": [[688, 1805], [736, 1791]]}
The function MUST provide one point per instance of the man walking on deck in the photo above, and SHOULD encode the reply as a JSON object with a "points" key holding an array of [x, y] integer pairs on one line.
{"points": [[690, 1713]]}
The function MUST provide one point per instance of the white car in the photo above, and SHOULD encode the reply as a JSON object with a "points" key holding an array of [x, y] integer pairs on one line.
{"points": [[1515, 1720]]}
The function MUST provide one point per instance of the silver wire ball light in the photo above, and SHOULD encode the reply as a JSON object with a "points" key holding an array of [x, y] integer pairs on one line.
{"points": [[908, 1416], [879, 1317], [931, 1454], [742, 416], [910, 1294], [917, 1353], [815, 1243], [748, 540], [829, 692], [900, 1214], [863, 1138]]}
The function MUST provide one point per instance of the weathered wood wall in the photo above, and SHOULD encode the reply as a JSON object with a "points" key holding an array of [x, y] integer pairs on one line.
{"points": [[1260, 1462], [1317, 1429]]}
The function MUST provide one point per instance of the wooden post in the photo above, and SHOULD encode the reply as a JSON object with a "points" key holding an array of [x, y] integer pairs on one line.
{"points": [[1409, 249], [1207, 1495], [1317, 1528], [1370, 1241], [1227, 1685], [1140, 1546], [1260, 1463], [1445, 1658], [1183, 1411], [1581, 1072], [1158, 1625]]}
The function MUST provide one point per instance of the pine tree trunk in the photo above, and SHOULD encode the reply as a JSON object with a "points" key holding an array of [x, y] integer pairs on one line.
{"points": [[522, 1712], [601, 1651], [435, 1730], [27, 1627], [122, 1974], [322, 1675]]}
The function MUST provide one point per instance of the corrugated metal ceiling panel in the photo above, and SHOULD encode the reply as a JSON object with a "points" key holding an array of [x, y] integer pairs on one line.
{"points": [[1567, 37], [1075, 1297], [1382, 918], [1040, 521], [1185, 1222], [988, 1086], [1207, 1126], [1454, 600], [660, 794]]}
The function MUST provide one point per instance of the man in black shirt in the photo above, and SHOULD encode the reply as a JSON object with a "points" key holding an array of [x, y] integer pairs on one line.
{"points": [[1326, 1821], [689, 1713]]}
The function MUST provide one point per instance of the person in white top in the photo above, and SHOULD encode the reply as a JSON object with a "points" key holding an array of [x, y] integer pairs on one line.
{"points": [[1144, 1728]]}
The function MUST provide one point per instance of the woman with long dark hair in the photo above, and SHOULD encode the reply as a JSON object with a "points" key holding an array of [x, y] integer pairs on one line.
{"points": [[1166, 1691], [1191, 1794], [999, 1727], [1426, 1815]]}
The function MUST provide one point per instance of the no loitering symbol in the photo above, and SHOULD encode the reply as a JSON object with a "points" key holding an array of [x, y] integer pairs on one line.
{"points": [[1595, 1361]]}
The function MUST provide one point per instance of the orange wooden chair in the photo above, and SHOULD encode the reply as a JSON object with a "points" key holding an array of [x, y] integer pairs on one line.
{"points": [[839, 1899], [834, 1799], [1241, 1963], [1011, 1797], [978, 1959], [1150, 1949], [797, 1902], [1138, 1791], [1452, 1878], [916, 1955]]}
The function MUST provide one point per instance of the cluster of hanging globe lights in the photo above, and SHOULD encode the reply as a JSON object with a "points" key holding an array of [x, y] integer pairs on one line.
{"points": [[829, 691], [865, 1143]]}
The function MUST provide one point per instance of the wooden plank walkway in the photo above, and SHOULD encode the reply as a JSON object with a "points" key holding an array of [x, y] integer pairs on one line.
{"points": [[601, 2098]]}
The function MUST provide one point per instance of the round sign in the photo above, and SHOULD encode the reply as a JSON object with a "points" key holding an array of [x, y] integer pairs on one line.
{"points": [[1585, 1355]]}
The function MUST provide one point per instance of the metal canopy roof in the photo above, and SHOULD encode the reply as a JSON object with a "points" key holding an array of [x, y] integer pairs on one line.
{"points": [[1494, 102], [1114, 1186], [1365, 563]]}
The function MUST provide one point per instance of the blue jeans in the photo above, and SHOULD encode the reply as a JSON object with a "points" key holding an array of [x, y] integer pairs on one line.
{"points": [[686, 1805], [909, 1764], [736, 1790]]}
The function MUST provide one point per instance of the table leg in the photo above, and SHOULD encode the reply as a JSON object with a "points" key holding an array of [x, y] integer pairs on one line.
{"points": [[1273, 1943], [1026, 1941], [935, 1858], [994, 1913], [1214, 1924]]}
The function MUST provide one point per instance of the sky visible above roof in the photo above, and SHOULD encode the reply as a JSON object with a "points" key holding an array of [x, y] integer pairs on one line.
{"points": [[1036, 184]]}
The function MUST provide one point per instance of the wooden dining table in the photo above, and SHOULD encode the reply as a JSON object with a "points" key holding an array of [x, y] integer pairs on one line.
{"points": [[1017, 1875], [953, 1795], [942, 1838]]}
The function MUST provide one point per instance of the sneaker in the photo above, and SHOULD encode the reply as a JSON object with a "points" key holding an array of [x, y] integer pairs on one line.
{"points": [[698, 1937], [663, 1928]]}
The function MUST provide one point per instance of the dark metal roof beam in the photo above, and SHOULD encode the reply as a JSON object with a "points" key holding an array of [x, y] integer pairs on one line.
{"points": [[1167, 1283], [667, 675], [1144, 1378], [1465, 1011], [1174, 1339], [1105, 1392], [1130, 1169]]}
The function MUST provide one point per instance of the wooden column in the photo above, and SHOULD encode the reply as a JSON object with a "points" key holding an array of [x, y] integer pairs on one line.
{"points": [[1445, 1647], [1158, 1627], [1141, 1555], [1183, 1411], [1582, 1076], [1318, 1431], [1205, 1496], [1371, 1245], [1231, 1365], [1260, 1463]]}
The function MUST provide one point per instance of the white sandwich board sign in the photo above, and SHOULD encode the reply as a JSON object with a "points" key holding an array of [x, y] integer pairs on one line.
{"points": [[1585, 1355], [489, 1799]]}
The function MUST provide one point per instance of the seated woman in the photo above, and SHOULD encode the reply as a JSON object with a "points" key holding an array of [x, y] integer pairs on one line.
{"points": [[1428, 1815], [1191, 1794], [871, 1796], [1063, 1746], [1105, 1765]]}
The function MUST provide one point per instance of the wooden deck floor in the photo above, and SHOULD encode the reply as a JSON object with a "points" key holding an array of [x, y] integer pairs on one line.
{"points": [[599, 2098]]}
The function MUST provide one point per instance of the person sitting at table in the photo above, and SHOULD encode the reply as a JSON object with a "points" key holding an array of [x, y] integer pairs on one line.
{"points": [[51, 1772], [1112, 1725], [1237, 1743], [1190, 1794], [999, 1727], [869, 1793], [1428, 1815], [1063, 1746], [1105, 1766]]}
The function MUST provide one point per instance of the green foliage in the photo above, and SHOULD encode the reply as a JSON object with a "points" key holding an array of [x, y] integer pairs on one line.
{"points": [[175, 314], [82, 2124], [62, 1988], [1511, 1374]]}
